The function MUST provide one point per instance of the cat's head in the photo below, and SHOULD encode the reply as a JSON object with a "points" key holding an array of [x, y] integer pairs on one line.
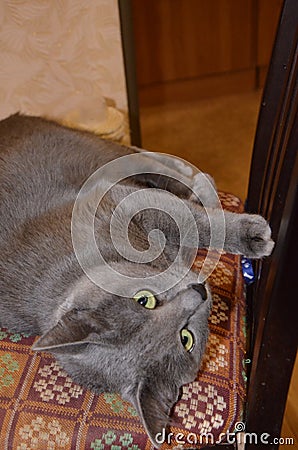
{"points": [[145, 347]]}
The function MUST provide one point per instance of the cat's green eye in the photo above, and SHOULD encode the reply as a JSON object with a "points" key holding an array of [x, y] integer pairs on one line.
{"points": [[146, 299], [187, 340]]}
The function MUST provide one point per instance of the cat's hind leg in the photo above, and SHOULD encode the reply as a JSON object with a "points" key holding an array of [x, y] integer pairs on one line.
{"points": [[200, 189], [204, 191]]}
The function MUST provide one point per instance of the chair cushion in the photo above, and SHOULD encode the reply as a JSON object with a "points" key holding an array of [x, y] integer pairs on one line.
{"points": [[41, 408]]}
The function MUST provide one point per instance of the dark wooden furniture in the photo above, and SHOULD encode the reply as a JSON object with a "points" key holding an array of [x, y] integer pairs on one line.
{"points": [[128, 46], [273, 193], [192, 49]]}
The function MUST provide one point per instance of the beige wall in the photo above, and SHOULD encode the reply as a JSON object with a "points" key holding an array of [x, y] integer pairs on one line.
{"points": [[61, 58]]}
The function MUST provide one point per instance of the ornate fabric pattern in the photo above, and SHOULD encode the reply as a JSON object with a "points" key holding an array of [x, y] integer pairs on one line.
{"points": [[41, 408]]}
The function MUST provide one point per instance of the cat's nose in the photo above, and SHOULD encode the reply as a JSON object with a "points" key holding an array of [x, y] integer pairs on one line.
{"points": [[200, 288]]}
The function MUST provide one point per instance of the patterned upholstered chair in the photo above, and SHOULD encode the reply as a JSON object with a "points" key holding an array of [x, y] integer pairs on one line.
{"points": [[40, 406]]}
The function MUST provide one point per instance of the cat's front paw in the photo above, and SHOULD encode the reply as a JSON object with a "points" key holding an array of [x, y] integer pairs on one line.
{"points": [[255, 236]]}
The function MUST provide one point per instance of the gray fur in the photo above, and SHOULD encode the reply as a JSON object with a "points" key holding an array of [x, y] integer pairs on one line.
{"points": [[104, 341]]}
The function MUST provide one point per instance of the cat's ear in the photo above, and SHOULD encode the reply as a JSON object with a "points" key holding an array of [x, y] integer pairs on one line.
{"points": [[74, 327], [154, 402]]}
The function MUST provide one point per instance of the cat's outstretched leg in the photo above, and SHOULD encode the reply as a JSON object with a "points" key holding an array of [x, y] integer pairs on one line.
{"points": [[248, 234], [245, 234], [204, 191], [201, 186]]}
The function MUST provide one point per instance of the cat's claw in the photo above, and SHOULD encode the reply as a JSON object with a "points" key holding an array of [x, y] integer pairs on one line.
{"points": [[255, 236]]}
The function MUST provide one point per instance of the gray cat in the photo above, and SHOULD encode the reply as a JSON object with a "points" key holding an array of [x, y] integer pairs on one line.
{"points": [[141, 341]]}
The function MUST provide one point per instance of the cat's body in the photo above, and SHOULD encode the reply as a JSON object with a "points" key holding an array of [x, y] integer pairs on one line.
{"points": [[105, 341]]}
